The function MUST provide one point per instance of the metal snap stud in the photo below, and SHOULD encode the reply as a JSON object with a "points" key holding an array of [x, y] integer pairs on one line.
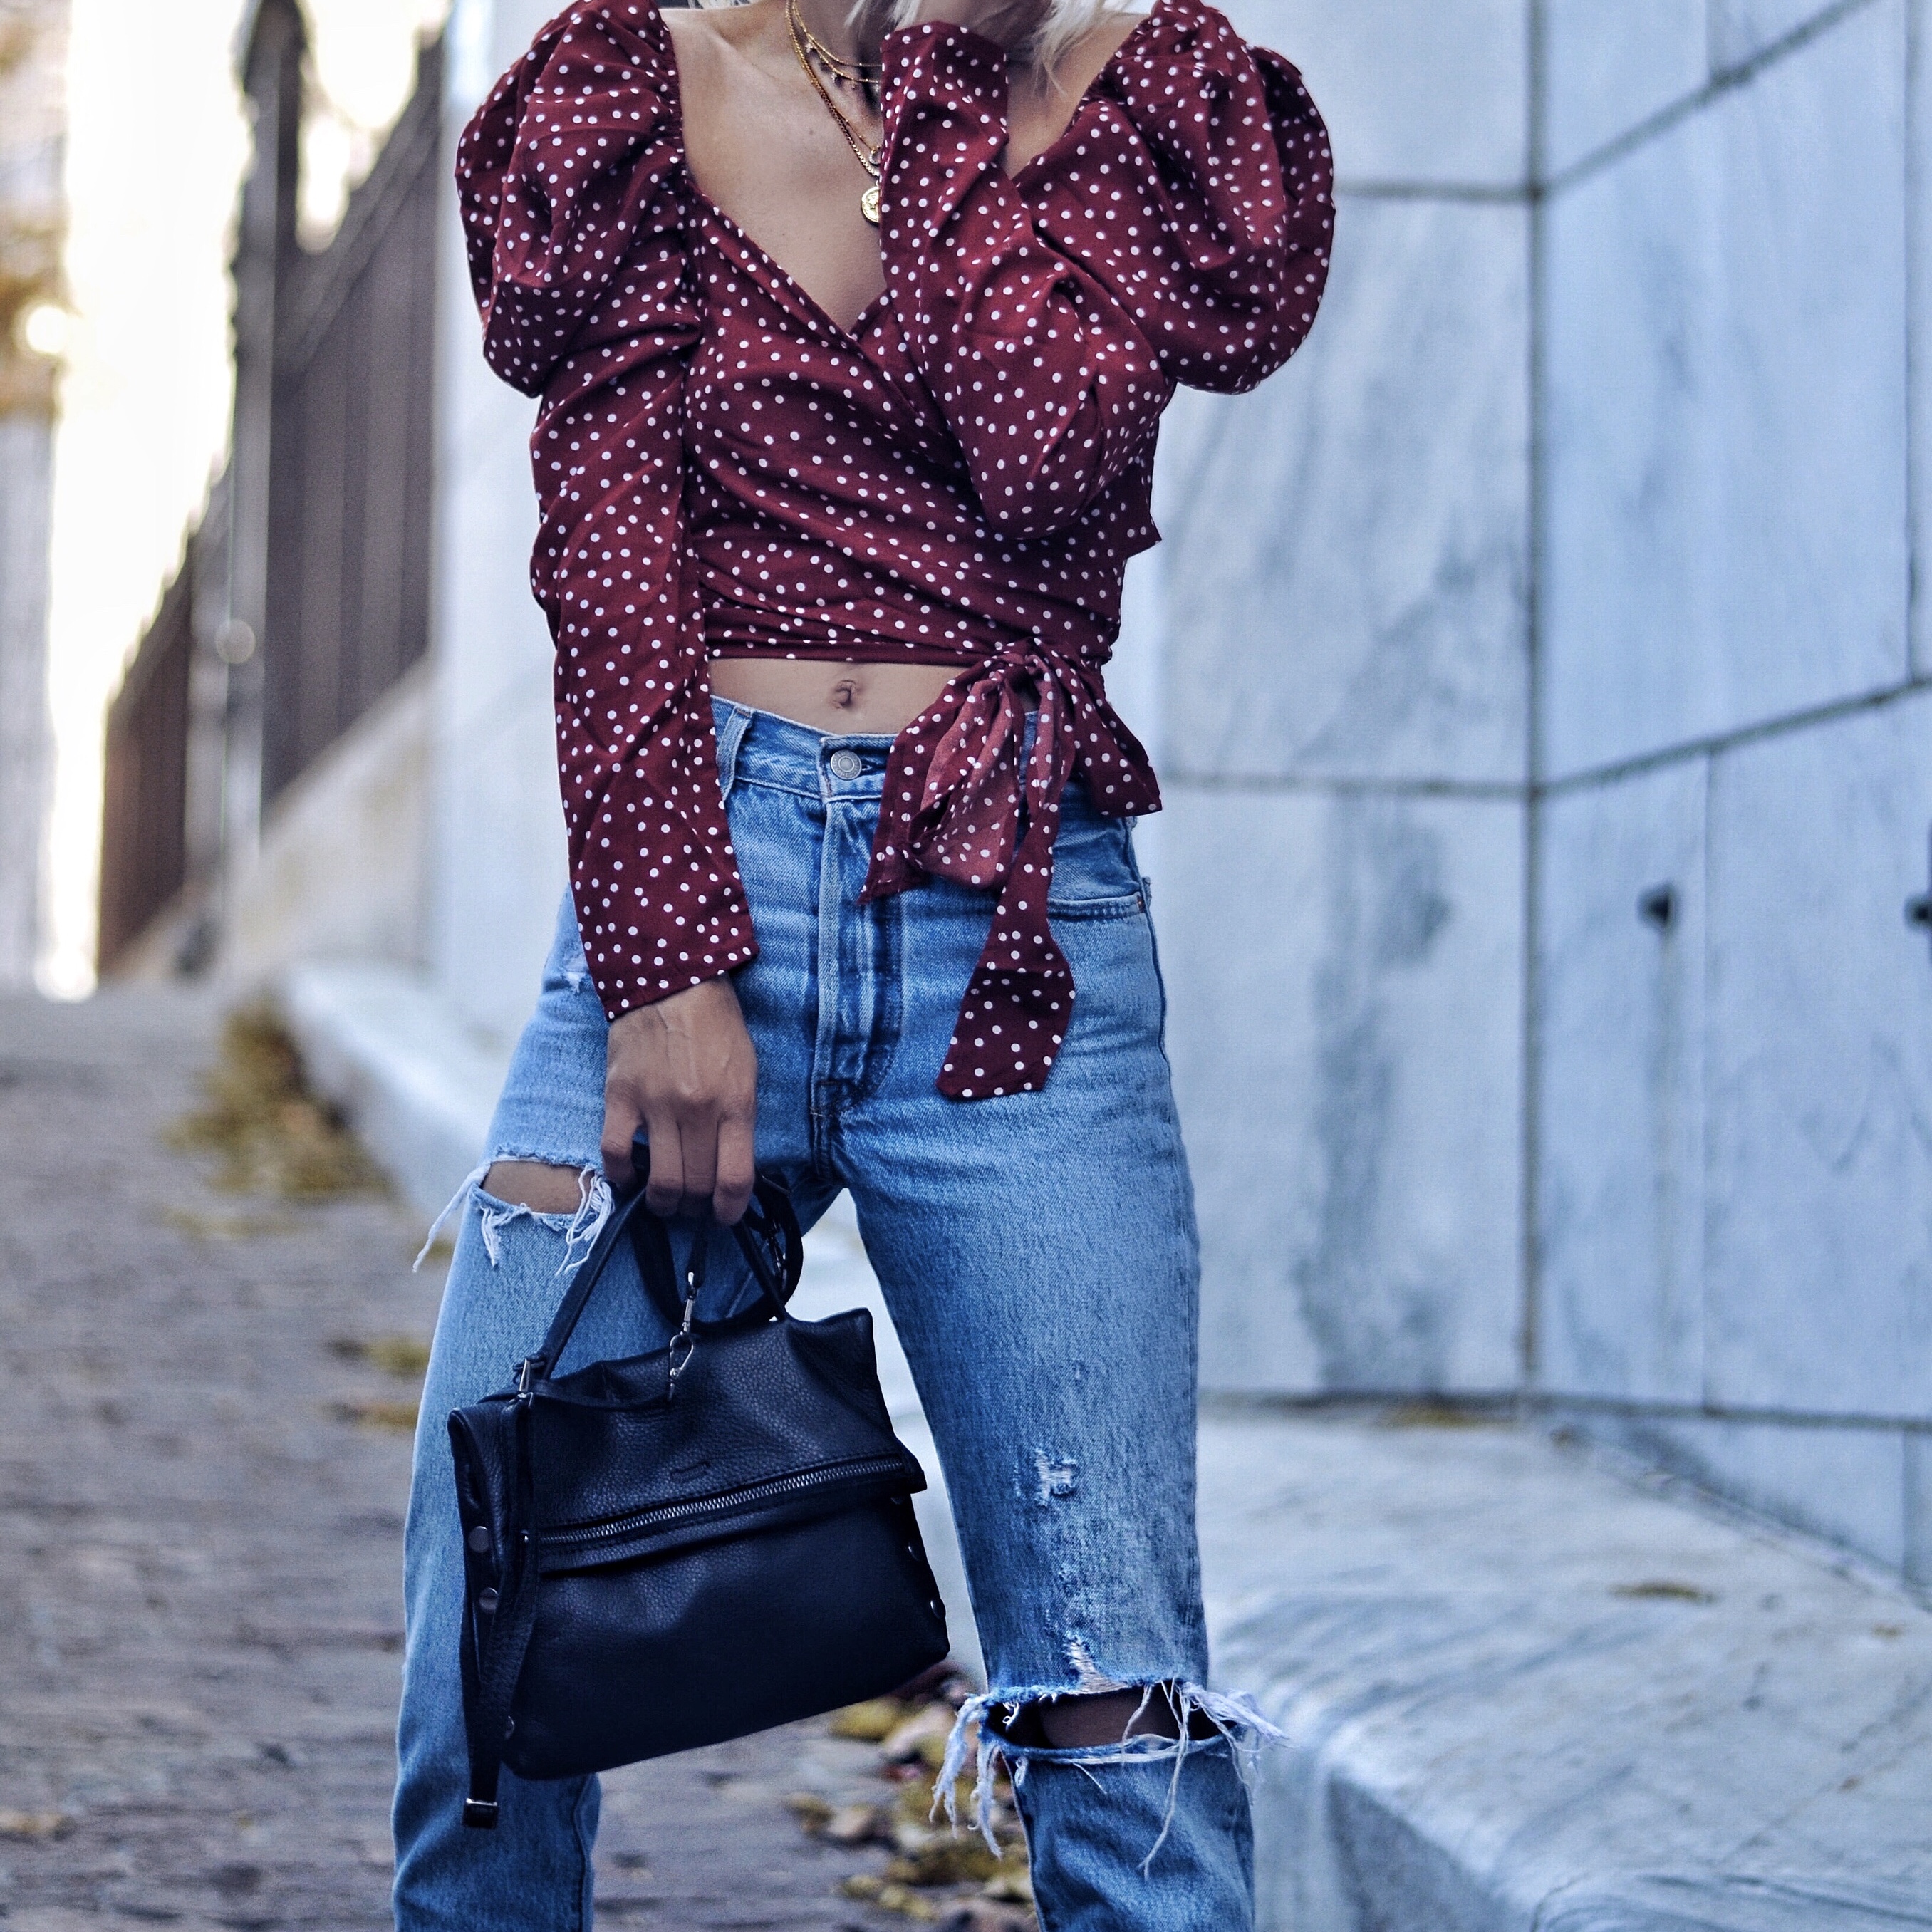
{"points": [[846, 764], [479, 1540], [486, 1602]]}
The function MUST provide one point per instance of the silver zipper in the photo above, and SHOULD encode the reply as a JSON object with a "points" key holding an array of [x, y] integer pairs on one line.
{"points": [[660, 1515]]}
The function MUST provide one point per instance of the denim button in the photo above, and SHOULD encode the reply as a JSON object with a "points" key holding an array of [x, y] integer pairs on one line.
{"points": [[846, 764]]}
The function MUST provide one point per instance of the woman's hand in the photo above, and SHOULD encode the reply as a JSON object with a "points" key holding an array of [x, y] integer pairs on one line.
{"points": [[685, 1070]]}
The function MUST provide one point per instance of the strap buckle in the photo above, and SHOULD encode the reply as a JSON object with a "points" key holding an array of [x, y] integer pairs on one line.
{"points": [[480, 1813], [528, 1369]]}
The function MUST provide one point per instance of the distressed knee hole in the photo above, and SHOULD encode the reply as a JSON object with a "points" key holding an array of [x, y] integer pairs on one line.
{"points": [[1084, 1719], [1059, 1477], [536, 1185], [1099, 1721], [509, 1188]]}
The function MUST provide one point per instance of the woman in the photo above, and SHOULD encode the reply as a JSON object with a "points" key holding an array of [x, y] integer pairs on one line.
{"points": [[832, 553]]}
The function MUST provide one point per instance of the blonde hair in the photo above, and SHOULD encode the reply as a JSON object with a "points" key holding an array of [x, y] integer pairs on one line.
{"points": [[1060, 26]]}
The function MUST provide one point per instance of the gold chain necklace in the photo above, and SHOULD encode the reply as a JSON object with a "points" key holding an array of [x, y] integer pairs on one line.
{"points": [[853, 73], [866, 153]]}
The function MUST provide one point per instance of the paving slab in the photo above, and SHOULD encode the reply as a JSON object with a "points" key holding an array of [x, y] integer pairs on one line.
{"points": [[1524, 1691]]}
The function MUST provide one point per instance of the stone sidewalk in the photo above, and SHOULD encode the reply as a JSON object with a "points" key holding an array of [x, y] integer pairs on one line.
{"points": [[202, 1475]]}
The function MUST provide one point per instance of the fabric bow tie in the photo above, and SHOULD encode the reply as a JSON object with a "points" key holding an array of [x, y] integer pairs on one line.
{"points": [[965, 801]]}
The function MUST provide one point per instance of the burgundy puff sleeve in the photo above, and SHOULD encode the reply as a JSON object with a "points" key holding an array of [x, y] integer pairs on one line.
{"points": [[1219, 241], [1178, 233], [575, 200]]}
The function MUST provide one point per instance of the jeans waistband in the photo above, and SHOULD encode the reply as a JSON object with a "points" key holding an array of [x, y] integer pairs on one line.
{"points": [[761, 747]]}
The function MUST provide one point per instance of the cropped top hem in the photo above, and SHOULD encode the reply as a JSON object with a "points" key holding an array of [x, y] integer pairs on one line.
{"points": [[957, 479], [804, 651]]}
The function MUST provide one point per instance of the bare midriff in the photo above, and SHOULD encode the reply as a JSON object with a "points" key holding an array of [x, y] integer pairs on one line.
{"points": [[855, 700]]}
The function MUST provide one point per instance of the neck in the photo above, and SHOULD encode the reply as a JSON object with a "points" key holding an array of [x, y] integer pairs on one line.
{"points": [[832, 21]]}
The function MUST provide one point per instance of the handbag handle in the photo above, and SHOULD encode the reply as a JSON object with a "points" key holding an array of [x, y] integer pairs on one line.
{"points": [[768, 1236]]}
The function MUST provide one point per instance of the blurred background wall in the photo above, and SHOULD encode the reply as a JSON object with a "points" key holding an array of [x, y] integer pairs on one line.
{"points": [[1536, 667], [33, 53]]}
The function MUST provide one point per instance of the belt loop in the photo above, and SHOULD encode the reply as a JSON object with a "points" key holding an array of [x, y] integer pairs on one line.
{"points": [[732, 722]]}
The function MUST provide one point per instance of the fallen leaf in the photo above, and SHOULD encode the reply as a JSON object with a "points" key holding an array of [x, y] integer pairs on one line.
{"points": [[1664, 1591], [36, 1825], [870, 1722], [812, 1811]]}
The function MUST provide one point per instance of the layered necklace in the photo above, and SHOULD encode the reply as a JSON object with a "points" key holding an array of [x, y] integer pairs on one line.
{"points": [[864, 75]]}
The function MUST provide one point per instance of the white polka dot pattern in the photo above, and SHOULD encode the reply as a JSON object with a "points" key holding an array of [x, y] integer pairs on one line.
{"points": [[957, 478]]}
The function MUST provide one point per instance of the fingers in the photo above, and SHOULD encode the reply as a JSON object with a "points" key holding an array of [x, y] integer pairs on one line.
{"points": [[685, 1070], [622, 1117], [701, 1162], [683, 1160], [737, 1169]]}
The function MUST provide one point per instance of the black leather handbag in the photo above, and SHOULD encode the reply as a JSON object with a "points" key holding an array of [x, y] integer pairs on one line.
{"points": [[690, 1545]]}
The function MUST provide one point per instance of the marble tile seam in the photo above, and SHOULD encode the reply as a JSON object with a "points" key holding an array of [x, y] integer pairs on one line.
{"points": [[1592, 777], [1723, 81], [1376, 188], [1544, 1401], [1639, 1470], [1491, 791], [1530, 1404], [1538, 186]]}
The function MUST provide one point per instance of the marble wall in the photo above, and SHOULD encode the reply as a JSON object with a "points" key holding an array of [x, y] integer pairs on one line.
{"points": [[1620, 1153], [1732, 1165], [1724, 333], [1346, 970], [1342, 692], [1540, 686]]}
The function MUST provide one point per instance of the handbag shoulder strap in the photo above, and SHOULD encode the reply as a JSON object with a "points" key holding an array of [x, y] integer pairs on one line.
{"points": [[493, 1674], [649, 1243]]}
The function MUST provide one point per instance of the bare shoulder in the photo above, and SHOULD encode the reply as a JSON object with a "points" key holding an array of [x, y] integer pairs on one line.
{"points": [[724, 82], [700, 49]]}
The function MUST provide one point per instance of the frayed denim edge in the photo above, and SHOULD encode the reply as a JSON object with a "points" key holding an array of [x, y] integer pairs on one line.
{"points": [[595, 1202], [1240, 1724]]}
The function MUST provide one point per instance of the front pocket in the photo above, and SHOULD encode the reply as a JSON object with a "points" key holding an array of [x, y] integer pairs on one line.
{"points": [[656, 1528], [1123, 905], [1094, 876]]}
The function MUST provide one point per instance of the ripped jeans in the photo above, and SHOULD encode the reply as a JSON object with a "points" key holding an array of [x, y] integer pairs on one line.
{"points": [[1038, 1254]]}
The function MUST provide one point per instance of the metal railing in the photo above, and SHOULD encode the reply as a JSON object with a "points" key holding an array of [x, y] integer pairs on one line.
{"points": [[304, 591]]}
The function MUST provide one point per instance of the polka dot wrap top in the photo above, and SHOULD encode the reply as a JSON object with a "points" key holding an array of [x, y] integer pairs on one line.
{"points": [[958, 478]]}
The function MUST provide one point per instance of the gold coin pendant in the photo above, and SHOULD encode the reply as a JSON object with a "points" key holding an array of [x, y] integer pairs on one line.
{"points": [[868, 204]]}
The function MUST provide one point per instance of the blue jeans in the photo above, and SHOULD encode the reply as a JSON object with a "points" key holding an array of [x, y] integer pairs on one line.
{"points": [[1038, 1254]]}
